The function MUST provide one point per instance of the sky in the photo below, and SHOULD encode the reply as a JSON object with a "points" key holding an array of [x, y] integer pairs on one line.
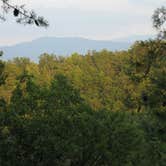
{"points": [[94, 19]]}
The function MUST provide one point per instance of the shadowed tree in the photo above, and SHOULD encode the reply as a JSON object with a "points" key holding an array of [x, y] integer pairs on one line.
{"points": [[62, 94], [25, 98]]}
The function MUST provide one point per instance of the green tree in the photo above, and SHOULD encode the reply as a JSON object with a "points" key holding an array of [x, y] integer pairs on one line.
{"points": [[27, 97], [62, 94], [2, 73], [3, 77]]}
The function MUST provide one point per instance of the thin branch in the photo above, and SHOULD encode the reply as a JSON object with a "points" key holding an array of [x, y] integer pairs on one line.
{"points": [[25, 17]]}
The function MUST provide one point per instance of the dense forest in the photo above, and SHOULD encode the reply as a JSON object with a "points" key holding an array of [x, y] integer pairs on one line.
{"points": [[103, 108]]}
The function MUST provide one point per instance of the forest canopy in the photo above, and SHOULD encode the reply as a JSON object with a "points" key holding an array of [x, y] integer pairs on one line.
{"points": [[102, 108]]}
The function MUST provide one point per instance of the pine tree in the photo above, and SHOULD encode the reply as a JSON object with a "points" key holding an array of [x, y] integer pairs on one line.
{"points": [[22, 15]]}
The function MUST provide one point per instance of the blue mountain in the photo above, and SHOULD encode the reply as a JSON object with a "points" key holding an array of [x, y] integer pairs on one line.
{"points": [[59, 46], [135, 38]]}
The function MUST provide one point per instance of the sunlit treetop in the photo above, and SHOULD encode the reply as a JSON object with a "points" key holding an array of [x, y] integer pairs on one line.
{"points": [[22, 15]]}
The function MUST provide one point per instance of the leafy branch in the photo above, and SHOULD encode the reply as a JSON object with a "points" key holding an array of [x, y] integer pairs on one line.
{"points": [[159, 21], [22, 15]]}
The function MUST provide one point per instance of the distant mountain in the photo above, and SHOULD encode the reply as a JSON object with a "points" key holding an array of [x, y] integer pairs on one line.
{"points": [[59, 46], [134, 38]]}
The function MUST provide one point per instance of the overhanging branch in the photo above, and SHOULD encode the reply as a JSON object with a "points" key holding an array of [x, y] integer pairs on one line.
{"points": [[22, 15]]}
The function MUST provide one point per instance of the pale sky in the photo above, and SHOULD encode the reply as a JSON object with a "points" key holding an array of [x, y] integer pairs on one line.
{"points": [[94, 19]]}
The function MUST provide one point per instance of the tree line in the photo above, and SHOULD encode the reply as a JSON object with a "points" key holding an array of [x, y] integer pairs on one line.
{"points": [[103, 108]]}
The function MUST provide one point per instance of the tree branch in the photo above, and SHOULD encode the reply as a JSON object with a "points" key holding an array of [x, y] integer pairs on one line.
{"points": [[23, 16]]}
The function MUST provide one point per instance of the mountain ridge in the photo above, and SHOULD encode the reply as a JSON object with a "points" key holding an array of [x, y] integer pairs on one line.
{"points": [[59, 46], [64, 46]]}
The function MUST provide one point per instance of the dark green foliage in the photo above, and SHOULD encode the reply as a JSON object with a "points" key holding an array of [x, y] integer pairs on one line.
{"points": [[26, 96], [76, 137], [3, 104], [155, 135], [62, 94]]}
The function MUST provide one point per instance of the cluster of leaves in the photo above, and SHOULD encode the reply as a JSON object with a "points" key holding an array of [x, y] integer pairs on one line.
{"points": [[104, 108], [22, 15]]}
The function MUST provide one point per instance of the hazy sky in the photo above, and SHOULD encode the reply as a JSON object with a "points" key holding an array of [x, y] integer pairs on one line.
{"points": [[95, 19]]}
